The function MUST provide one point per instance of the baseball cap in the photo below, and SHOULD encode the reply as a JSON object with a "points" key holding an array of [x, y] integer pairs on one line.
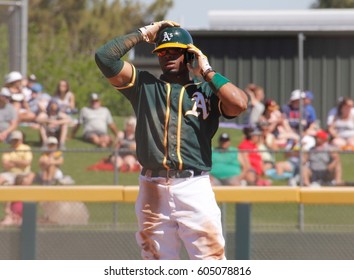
{"points": [[16, 134], [32, 77], [224, 137], [322, 134], [309, 95], [95, 96], [297, 94], [36, 87], [52, 140], [12, 77], [5, 92]]}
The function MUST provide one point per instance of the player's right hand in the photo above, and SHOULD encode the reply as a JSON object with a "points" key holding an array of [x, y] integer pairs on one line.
{"points": [[150, 31]]}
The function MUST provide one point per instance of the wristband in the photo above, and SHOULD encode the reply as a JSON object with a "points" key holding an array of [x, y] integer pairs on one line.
{"points": [[218, 81], [207, 72]]}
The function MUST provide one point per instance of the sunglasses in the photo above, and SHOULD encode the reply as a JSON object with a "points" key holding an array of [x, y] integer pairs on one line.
{"points": [[170, 51]]}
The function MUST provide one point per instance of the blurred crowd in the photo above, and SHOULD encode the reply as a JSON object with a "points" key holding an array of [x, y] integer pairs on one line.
{"points": [[272, 128], [56, 118]]}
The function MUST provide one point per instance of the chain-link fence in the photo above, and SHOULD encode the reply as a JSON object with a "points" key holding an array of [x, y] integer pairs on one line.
{"points": [[107, 230]]}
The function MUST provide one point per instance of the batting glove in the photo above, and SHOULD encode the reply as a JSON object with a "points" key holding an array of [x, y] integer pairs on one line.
{"points": [[202, 67], [149, 32]]}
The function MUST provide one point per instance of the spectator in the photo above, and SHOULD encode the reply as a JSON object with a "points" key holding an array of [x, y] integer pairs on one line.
{"points": [[278, 125], [291, 112], [323, 164], [95, 120], [249, 146], [39, 100], [266, 145], [65, 98], [126, 145], [53, 122], [50, 162], [17, 162], [8, 115], [287, 168], [14, 210], [311, 112], [342, 127], [13, 81], [256, 94], [228, 165]]}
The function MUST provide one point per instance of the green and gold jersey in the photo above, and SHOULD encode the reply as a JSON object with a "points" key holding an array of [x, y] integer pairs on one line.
{"points": [[175, 124]]}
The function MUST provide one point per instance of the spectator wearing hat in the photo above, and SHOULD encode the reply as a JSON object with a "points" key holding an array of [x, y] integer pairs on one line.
{"points": [[8, 115], [39, 100], [322, 163], [18, 161], [53, 122], [291, 112], [96, 119], [13, 81], [228, 165], [50, 162]]}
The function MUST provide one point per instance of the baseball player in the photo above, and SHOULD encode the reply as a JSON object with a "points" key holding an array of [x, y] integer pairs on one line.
{"points": [[176, 120]]}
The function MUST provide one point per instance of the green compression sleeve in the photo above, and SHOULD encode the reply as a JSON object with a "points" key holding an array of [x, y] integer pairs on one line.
{"points": [[108, 57]]}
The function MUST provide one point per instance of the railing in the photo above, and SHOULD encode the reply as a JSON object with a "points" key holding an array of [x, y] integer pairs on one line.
{"points": [[243, 197]]}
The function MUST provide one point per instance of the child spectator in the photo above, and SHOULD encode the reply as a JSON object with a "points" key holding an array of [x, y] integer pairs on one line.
{"points": [[50, 162]]}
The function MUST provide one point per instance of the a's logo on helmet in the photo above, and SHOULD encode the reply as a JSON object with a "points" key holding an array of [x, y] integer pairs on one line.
{"points": [[167, 36]]}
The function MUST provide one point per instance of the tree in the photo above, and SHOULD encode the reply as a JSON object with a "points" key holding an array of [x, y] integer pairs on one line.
{"points": [[63, 36], [327, 4]]}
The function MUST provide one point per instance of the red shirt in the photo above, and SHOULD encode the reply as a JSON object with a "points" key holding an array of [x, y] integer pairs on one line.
{"points": [[254, 158]]}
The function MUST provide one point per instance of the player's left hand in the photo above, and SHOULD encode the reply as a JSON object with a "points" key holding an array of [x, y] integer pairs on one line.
{"points": [[202, 66], [150, 31]]}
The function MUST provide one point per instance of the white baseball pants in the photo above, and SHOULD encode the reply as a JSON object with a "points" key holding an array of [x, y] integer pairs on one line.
{"points": [[170, 210]]}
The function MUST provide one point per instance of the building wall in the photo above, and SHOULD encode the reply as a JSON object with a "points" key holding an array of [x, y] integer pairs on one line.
{"points": [[271, 61]]}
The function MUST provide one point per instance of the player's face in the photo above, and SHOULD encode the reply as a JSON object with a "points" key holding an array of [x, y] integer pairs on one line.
{"points": [[171, 60]]}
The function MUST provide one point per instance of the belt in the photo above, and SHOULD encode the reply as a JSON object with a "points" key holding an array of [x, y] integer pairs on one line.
{"points": [[171, 173]]}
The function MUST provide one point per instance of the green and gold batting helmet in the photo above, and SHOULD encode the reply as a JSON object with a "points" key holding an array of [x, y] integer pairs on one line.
{"points": [[173, 37]]}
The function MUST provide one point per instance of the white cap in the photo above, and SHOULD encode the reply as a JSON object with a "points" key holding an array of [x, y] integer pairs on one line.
{"points": [[52, 140], [95, 96], [13, 77], [297, 94], [16, 134], [5, 92]]}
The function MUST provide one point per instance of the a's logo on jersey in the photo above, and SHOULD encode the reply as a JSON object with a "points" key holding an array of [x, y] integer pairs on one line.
{"points": [[167, 36], [199, 103]]}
